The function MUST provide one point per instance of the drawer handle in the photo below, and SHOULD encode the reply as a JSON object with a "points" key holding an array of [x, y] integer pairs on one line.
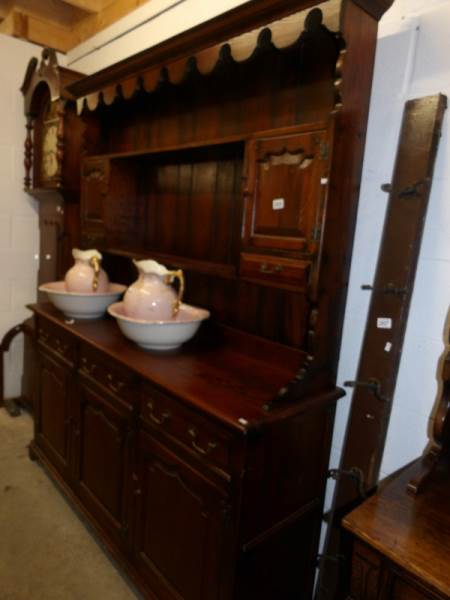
{"points": [[159, 421], [86, 367], [115, 387], [194, 435], [60, 346], [270, 271]]}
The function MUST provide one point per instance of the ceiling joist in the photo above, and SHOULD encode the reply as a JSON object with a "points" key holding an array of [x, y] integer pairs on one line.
{"points": [[61, 24], [90, 6]]}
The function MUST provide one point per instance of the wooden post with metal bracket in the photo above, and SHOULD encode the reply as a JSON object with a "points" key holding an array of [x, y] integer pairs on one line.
{"points": [[386, 323]]}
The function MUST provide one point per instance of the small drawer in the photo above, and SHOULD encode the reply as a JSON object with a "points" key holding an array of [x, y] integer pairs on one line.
{"points": [[275, 270], [204, 438], [56, 340], [106, 373]]}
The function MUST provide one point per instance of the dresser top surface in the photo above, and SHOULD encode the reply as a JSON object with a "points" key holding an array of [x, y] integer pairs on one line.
{"points": [[412, 531], [231, 379]]}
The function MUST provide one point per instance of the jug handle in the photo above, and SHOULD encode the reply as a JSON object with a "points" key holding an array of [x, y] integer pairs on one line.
{"points": [[95, 263], [171, 275]]}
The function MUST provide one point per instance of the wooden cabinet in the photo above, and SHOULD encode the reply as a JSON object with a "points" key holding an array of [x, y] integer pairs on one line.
{"points": [[183, 523], [94, 189], [52, 418], [287, 186], [190, 497], [400, 542], [103, 434], [234, 152]]}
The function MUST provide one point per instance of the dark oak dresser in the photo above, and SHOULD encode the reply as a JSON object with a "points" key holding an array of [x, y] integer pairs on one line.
{"points": [[232, 151], [176, 464], [401, 542]]}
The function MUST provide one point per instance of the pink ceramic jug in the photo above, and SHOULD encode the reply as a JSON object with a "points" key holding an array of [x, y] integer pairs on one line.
{"points": [[150, 297], [86, 276]]}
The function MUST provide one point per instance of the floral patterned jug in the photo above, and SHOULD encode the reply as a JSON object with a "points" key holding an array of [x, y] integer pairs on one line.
{"points": [[86, 276], [150, 297]]}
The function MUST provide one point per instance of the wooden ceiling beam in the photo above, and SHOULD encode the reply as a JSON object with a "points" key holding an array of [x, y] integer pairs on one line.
{"points": [[5, 8], [109, 15], [89, 6], [61, 24], [32, 29]]}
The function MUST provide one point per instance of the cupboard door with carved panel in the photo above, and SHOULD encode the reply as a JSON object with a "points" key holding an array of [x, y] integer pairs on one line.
{"points": [[94, 189], [103, 437], [286, 191], [52, 419], [182, 527]]}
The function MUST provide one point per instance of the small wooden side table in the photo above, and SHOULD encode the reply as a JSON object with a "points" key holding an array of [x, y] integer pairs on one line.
{"points": [[401, 542]]}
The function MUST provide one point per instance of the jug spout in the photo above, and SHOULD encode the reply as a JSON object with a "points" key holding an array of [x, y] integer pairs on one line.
{"points": [[86, 255], [151, 267]]}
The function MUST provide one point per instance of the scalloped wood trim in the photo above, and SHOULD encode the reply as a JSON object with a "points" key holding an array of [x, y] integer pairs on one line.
{"points": [[280, 34]]}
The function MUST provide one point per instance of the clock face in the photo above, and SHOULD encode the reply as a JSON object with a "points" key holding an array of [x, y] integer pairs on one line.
{"points": [[49, 148]]}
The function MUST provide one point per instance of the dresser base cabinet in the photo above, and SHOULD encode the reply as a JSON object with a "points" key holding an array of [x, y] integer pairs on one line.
{"points": [[195, 501], [401, 542]]}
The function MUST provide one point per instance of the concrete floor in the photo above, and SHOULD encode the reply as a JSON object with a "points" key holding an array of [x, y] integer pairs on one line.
{"points": [[46, 553]]}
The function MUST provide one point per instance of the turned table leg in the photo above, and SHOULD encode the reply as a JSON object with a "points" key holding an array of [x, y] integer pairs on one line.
{"points": [[10, 404]]}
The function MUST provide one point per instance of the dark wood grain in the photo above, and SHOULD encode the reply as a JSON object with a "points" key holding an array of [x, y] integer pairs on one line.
{"points": [[223, 445], [369, 415], [402, 235], [376, 8], [408, 536], [438, 449], [243, 18], [173, 453], [241, 375]]}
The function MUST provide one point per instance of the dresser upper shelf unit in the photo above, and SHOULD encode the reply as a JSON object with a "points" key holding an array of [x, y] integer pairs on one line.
{"points": [[233, 150]]}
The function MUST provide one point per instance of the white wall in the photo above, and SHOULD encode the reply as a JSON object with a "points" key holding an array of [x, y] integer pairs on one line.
{"points": [[19, 234]]}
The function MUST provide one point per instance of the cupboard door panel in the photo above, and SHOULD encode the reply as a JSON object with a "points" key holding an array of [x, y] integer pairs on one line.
{"points": [[94, 188], [103, 436], [52, 416], [181, 526], [285, 191]]}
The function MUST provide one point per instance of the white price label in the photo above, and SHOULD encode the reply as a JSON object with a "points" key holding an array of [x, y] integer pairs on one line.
{"points": [[278, 203], [384, 323]]}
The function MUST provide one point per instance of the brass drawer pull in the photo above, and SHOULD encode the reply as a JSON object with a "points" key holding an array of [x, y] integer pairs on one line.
{"points": [[86, 367], [270, 271], [114, 386], [159, 421], [194, 435]]}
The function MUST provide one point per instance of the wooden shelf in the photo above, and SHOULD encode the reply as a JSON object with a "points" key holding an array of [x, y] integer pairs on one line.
{"points": [[219, 141], [182, 262]]}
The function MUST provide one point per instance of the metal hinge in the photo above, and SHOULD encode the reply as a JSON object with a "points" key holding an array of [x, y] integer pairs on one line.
{"points": [[354, 473], [315, 233], [324, 150], [336, 558], [390, 288], [372, 385]]}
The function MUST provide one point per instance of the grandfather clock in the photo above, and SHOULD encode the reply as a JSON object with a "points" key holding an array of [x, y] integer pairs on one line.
{"points": [[52, 176], [52, 160]]}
